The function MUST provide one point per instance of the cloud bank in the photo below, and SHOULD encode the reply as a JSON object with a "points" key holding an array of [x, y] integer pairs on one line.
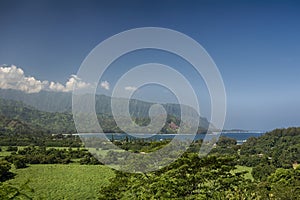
{"points": [[12, 77], [105, 85], [130, 88]]}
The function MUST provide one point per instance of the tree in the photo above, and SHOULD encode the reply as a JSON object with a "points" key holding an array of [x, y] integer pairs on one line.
{"points": [[262, 171], [226, 142], [12, 148], [187, 178], [4, 170], [285, 184], [19, 162]]}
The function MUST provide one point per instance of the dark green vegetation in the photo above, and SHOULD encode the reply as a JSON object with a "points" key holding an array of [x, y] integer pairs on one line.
{"points": [[207, 178], [188, 178], [277, 149], [40, 121], [220, 174], [14, 132]]}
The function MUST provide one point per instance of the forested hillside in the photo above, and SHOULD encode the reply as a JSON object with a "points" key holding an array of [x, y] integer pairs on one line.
{"points": [[49, 122], [14, 126], [279, 148], [62, 102], [62, 122]]}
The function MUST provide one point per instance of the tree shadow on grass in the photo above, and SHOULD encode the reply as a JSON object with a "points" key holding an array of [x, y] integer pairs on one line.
{"points": [[7, 176]]}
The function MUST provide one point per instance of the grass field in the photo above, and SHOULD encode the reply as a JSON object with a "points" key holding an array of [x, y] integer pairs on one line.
{"points": [[244, 168], [59, 181], [4, 153]]}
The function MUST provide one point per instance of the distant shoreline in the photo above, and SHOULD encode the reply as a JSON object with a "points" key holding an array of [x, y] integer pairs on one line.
{"points": [[170, 134]]}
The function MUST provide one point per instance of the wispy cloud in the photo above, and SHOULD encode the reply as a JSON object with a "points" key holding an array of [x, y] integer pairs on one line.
{"points": [[130, 88], [105, 85], [12, 77]]}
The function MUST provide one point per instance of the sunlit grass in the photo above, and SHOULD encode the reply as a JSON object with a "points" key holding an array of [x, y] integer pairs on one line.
{"points": [[248, 175], [58, 181]]}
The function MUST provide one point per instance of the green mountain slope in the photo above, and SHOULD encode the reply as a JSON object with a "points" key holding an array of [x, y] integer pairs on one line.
{"points": [[280, 148], [50, 122], [62, 122], [14, 126], [62, 102]]}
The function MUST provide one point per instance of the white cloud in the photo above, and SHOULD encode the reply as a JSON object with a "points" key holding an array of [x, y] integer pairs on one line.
{"points": [[56, 87], [12, 77], [105, 85], [73, 81], [130, 88]]}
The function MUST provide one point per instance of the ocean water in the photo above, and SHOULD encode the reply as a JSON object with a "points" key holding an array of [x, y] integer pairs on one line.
{"points": [[239, 136]]}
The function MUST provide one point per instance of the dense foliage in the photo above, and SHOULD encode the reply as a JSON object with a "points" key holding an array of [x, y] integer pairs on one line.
{"points": [[208, 178], [4, 170], [188, 178], [42, 155], [276, 149], [274, 159]]}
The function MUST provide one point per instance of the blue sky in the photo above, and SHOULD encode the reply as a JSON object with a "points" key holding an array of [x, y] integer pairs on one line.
{"points": [[255, 45]]}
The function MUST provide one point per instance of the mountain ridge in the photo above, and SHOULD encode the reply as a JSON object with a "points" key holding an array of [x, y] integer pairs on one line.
{"points": [[56, 107]]}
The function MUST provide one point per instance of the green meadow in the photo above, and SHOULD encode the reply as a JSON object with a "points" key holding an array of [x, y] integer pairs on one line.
{"points": [[248, 175], [57, 181]]}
